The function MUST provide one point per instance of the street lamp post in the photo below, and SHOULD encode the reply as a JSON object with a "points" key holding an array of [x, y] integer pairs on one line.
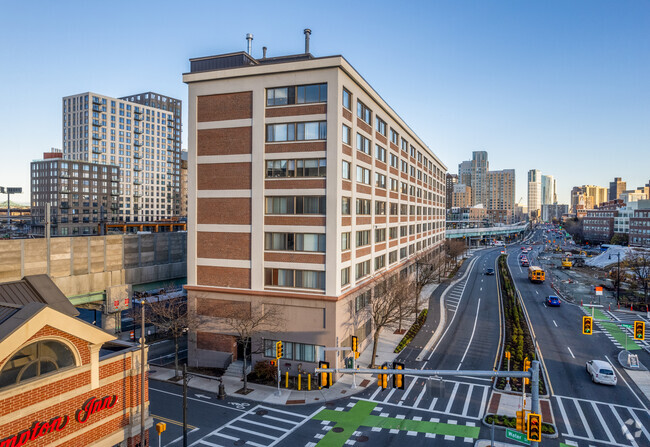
{"points": [[618, 276]]}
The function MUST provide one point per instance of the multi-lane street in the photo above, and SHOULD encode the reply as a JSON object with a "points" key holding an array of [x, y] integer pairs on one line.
{"points": [[451, 411]]}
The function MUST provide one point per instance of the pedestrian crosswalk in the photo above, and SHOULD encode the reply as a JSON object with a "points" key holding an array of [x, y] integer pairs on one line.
{"points": [[261, 426], [583, 421], [453, 398], [453, 297]]}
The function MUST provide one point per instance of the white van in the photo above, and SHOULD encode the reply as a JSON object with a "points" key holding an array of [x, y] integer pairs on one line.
{"points": [[601, 372]]}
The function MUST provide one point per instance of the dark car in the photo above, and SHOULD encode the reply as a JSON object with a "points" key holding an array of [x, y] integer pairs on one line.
{"points": [[553, 301], [489, 271]]}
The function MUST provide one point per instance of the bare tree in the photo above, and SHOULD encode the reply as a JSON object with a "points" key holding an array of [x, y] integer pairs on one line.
{"points": [[393, 297], [639, 264], [248, 323], [172, 316], [427, 271], [454, 248]]}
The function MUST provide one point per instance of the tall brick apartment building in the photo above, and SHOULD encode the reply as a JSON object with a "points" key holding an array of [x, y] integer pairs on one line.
{"points": [[63, 382], [304, 188]]}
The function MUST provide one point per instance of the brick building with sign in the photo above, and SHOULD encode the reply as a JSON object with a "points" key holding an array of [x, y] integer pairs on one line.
{"points": [[63, 382]]}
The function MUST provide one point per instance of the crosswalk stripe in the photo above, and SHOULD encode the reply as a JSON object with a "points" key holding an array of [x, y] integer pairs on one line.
{"points": [[408, 390], [575, 399], [602, 422], [483, 401], [203, 442], [451, 397], [390, 393], [375, 393], [272, 427], [251, 432], [590, 435], [564, 418], [467, 399], [639, 424], [433, 403], [622, 425], [417, 401]]}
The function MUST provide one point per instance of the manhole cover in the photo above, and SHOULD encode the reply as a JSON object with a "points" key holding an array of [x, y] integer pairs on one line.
{"points": [[337, 429], [362, 438], [261, 412]]}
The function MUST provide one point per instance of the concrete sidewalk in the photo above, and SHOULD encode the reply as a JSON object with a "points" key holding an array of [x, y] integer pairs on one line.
{"points": [[343, 387]]}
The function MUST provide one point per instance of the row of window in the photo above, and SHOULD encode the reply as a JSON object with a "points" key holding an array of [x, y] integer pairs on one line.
{"points": [[363, 236], [364, 207], [295, 242], [301, 279], [295, 205], [315, 167], [313, 130], [294, 351], [297, 94]]}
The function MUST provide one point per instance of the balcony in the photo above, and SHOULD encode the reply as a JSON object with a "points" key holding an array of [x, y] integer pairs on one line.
{"points": [[115, 192], [97, 150], [97, 123], [65, 205], [137, 143], [138, 117], [115, 178], [170, 136], [97, 108], [170, 123], [137, 181], [138, 111], [137, 156], [138, 131], [137, 168], [97, 100], [64, 174], [97, 137]]}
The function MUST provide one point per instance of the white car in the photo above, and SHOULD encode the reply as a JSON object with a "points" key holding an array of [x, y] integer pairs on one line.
{"points": [[601, 372]]}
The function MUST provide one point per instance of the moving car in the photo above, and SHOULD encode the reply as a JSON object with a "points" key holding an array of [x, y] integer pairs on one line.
{"points": [[489, 271], [553, 301], [524, 262], [601, 372]]}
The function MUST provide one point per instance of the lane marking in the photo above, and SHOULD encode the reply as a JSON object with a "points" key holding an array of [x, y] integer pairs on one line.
{"points": [[602, 423], [565, 419], [483, 403], [536, 292], [408, 391], [571, 352], [628, 385], [197, 400], [472, 336], [171, 421], [624, 429], [585, 424], [555, 323], [417, 401], [639, 424]]}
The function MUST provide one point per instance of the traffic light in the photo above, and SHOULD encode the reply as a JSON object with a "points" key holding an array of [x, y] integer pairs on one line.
{"points": [[526, 368], [639, 330], [355, 344], [398, 379], [534, 427], [587, 325], [382, 379], [278, 349], [324, 380], [521, 421], [272, 362]]}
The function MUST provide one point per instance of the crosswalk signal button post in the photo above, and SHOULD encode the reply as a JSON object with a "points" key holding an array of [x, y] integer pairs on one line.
{"points": [[587, 325], [534, 427], [398, 379], [639, 330], [324, 381]]}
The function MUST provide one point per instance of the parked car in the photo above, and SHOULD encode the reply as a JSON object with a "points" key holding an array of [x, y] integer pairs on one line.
{"points": [[601, 372], [553, 301], [489, 271]]}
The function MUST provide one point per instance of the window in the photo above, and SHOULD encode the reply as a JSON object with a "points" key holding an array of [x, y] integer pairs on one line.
{"points": [[363, 175], [403, 231], [363, 206], [364, 112], [380, 125], [362, 300], [405, 145], [412, 171], [345, 206], [392, 232], [304, 279], [314, 130], [394, 160], [295, 205], [363, 238], [363, 144], [394, 185], [405, 167], [345, 241], [380, 180], [35, 360], [393, 209], [346, 170], [362, 269], [380, 262], [315, 167], [380, 153], [402, 253], [347, 135], [302, 94], [295, 242], [394, 136], [347, 99], [392, 256], [404, 209], [413, 151], [380, 235], [380, 208], [294, 351], [345, 276]]}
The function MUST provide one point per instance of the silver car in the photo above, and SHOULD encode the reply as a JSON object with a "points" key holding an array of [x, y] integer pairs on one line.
{"points": [[601, 372]]}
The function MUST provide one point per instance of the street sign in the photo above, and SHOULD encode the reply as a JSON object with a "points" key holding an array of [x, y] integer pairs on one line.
{"points": [[626, 326], [517, 436], [599, 290]]}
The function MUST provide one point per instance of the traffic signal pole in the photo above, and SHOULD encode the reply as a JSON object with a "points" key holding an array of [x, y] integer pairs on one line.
{"points": [[534, 383]]}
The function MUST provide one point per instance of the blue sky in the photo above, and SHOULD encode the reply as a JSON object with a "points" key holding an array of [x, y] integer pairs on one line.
{"points": [[560, 86]]}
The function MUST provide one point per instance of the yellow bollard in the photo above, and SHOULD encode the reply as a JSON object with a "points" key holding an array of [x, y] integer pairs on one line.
{"points": [[308, 382], [299, 379], [330, 376], [287, 380]]}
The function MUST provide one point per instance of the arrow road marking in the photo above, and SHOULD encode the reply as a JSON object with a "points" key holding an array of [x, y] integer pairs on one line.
{"points": [[203, 396]]}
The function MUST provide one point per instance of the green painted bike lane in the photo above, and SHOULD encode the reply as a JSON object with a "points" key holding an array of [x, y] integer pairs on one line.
{"points": [[613, 329], [347, 422]]}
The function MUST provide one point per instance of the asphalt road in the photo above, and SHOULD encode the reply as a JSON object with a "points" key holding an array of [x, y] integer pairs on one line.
{"points": [[586, 413]]}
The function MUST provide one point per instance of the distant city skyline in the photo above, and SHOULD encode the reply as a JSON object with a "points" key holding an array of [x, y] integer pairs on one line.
{"points": [[555, 86]]}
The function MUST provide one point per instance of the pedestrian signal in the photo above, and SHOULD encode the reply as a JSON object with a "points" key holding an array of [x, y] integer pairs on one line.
{"points": [[587, 325], [639, 330], [398, 379], [534, 427], [324, 380]]}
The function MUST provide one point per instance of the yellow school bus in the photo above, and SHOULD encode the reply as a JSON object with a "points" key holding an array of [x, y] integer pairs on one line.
{"points": [[536, 274]]}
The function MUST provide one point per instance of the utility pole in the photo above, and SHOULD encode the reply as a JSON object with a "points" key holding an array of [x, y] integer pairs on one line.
{"points": [[184, 404], [142, 376]]}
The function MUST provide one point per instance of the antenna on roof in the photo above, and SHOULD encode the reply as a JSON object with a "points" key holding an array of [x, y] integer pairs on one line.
{"points": [[264, 52], [249, 38], [307, 32]]}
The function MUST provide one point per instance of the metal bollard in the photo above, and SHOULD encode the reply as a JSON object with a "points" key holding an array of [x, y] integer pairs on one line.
{"points": [[287, 379], [299, 380], [308, 382]]}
